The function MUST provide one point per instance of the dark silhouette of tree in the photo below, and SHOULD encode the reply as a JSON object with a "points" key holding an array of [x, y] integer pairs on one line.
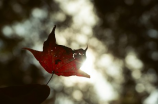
{"points": [[133, 27]]}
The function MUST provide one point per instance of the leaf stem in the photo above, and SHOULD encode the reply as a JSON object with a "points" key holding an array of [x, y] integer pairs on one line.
{"points": [[50, 78]]}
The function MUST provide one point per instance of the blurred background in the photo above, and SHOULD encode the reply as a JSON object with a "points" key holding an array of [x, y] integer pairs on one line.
{"points": [[122, 56]]}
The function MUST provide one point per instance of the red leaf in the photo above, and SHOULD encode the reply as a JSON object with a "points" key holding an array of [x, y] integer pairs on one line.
{"points": [[59, 59]]}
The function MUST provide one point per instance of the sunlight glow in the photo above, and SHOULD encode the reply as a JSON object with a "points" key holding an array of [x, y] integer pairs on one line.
{"points": [[84, 18], [87, 66], [103, 88]]}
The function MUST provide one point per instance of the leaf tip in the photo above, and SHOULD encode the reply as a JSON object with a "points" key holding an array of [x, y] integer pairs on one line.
{"points": [[86, 48], [88, 76], [31, 50], [54, 29], [25, 48]]}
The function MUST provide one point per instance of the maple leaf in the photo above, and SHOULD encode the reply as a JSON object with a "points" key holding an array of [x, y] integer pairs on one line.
{"points": [[60, 60]]}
